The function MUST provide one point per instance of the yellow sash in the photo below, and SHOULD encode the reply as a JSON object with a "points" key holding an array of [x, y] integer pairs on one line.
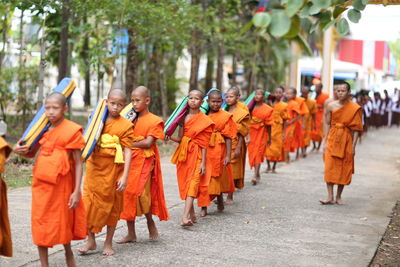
{"points": [[112, 141], [216, 138], [181, 151], [147, 152]]}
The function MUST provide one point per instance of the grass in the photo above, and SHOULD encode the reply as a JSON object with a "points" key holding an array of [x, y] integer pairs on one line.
{"points": [[17, 173]]}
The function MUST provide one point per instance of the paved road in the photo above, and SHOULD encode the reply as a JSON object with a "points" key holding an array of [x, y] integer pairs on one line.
{"points": [[276, 223]]}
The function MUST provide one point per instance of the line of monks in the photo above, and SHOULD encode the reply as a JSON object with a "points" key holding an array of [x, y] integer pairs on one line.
{"points": [[123, 177]]}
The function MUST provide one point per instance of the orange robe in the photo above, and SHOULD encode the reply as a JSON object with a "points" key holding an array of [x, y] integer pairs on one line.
{"points": [[225, 127], [317, 134], [298, 131], [187, 157], [241, 117], [312, 108], [53, 183], [339, 159], [5, 231], [260, 118], [242, 106], [290, 143], [275, 152], [103, 202], [145, 190]]}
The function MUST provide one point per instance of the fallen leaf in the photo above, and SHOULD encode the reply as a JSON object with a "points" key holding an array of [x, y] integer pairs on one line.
{"points": [[364, 219]]}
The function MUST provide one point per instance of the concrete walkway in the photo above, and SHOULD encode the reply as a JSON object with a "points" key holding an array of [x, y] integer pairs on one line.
{"points": [[276, 223]]}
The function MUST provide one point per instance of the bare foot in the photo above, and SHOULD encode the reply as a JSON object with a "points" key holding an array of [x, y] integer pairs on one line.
{"points": [[186, 222], [153, 232], [229, 201], [220, 206], [89, 246], [267, 170], [70, 260], [340, 202], [258, 179], [254, 181], [193, 217], [274, 171], [326, 202], [203, 212], [108, 251], [127, 239]]}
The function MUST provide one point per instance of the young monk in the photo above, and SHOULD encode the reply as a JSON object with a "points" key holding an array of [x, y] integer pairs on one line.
{"points": [[190, 156], [317, 132], [293, 109], [144, 193], [5, 231], [260, 133], [107, 172], [238, 158], [344, 124], [299, 130], [58, 215], [275, 152], [219, 151], [309, 118]]}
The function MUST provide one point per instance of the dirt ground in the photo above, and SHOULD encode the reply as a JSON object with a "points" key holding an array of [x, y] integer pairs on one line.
{"points": [[388, 252]]}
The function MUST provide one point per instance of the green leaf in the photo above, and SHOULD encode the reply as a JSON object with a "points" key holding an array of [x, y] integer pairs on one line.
{"points": [[305, 47], [330, 24], [280, 24], [343, 26], [322, 4], [293, 6], [338, 10], [364, 1], [305, 12], [295, 27], [261, 20], [325, 18], [359, 5], [246, 27], [314, 9], [354, 15]]}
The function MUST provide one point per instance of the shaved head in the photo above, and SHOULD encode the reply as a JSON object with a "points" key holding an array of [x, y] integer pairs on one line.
{"points": [[118, 93], [260, 89], [141, 90], [57, 96], [215, 93], [198, 92], [235, 90]]}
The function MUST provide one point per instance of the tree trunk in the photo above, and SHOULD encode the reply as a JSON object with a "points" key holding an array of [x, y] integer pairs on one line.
{"points": [[146, 63], [195, 60], [210, 68], [163, 85], [234, 68], [85, 57], [221, 49], [4, 27], [132, 64], [63, 58], [22, 101]]}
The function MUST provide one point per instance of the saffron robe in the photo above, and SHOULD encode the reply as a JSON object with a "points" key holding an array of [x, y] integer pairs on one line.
{"points": [[53, 183], [145, 190], [298, 131], [339, 159], [225, 127], [275, 152], [242, 106], [103, 203], [5, 231], [260, 118], [317, 134], [290, 143], [187, 157], [312, 108], [241, 117]]}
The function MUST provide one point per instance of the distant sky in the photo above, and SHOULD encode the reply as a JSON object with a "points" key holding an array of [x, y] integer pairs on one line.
{"points": [[377, 23]]}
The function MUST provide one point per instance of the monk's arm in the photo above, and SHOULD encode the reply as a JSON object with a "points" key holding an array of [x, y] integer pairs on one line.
{"points": [[228, 143], [269, 134], [203, 161], [180, 134], [327, 124], [146, 143], [239, 146], [121, 185], [293, 120], [314, 121], [23, 150], [75, 196], [356, 136], [303, 122], [284, 130]]}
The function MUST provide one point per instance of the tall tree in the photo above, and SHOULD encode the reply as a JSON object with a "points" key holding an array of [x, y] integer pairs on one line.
{"points": [[64, 53]]}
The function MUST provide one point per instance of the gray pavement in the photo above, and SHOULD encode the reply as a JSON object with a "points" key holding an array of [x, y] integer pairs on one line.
{"points": [[276, 223]]}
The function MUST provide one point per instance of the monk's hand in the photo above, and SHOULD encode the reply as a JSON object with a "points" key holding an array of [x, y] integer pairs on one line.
{"points": [[269, 142], [73, 200], [121, 184], [227, 160], [283, 136], [167, 138], [203, 169], [237, 152], [20, 149]]}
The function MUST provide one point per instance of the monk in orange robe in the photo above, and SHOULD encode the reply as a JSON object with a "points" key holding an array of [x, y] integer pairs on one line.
{"points": [[238, 158], [219, 151], [275, 152], [107, 172], [260, 133], [299, 130], [343, 124], [309, 118], [144, 193], [191, 154], [5, 231], [58, 215], [293, 109], [317, 132]]}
